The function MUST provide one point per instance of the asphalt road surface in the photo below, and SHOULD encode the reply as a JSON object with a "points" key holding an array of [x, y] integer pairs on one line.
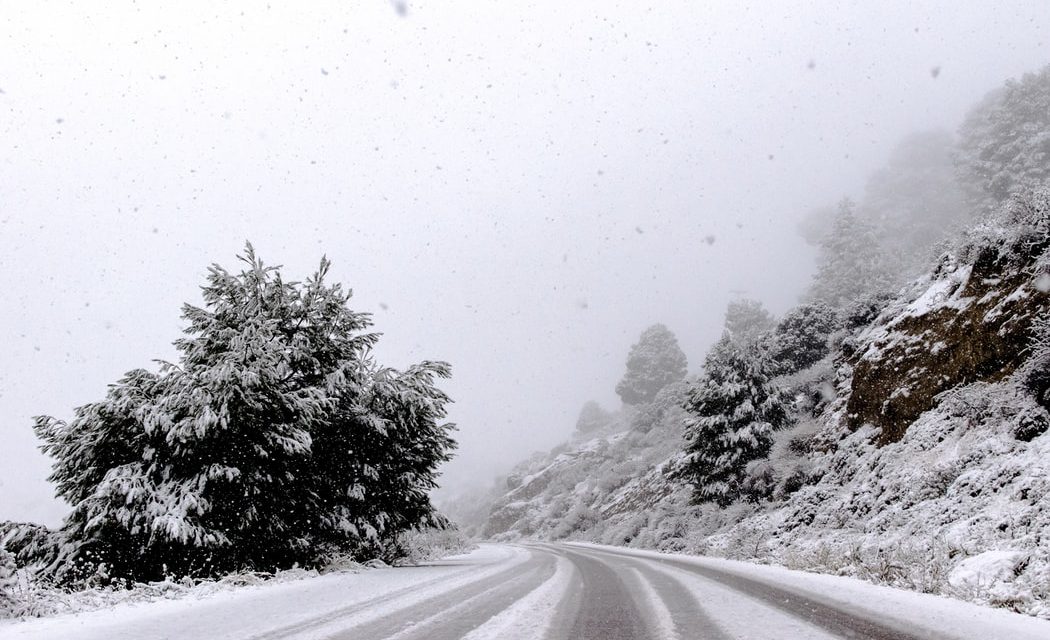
{"points": [[607, 594], [548, 592]]}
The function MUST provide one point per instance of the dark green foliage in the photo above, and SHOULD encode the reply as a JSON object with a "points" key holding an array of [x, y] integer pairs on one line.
{"points": [[654, 362], [801, 338], [274, 440], [1031, 424], [759, 481], [733, 411]]}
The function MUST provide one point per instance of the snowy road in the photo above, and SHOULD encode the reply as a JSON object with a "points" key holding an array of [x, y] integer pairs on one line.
{"points": [[550, 591]]}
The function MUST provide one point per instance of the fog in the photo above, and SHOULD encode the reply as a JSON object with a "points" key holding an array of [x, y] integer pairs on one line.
{"points": [[518, 190]]}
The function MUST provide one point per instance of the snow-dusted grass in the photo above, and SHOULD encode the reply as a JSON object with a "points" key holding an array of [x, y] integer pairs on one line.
{"points": [[32, 599], [29, 598]]}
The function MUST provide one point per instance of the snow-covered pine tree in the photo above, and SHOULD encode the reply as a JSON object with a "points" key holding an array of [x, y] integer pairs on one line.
{"points": [[384, 443], [226, 460], [653, 362], [1004, 145], [733, 410], [851, 263]]}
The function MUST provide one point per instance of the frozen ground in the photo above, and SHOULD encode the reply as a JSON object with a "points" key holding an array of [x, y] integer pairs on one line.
{"points": [[253, 611]]}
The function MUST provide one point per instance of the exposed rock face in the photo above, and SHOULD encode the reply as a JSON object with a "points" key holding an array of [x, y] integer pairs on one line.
{"points": [[972, 324]]}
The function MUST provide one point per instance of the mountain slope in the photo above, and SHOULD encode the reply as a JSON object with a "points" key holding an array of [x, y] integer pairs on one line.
{"points": [[919, 455]]}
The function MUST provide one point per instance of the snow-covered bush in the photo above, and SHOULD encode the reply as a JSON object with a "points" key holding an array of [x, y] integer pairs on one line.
{"points": [[800, 339], [8, 583], [592, 418], [1017, 235], [653, 362], [759, 481], [580, 517], [665, 404], [33, 546], [413, 547], [1037, 374], [275, 440]]}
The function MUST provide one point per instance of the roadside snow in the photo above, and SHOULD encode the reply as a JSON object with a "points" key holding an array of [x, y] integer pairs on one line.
{"points": [[986, 569], [256, 610]]}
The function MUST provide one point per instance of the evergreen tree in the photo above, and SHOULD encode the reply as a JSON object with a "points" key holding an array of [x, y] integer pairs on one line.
{"points": [[1004, 145], [800, 339], [733, 410], [592, 417], [654, 362], [851, 264], [747, 321], [274, 440], [914, 202]]}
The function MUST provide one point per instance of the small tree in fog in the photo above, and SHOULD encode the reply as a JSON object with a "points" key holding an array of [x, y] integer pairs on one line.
{"points": [[915, 201], [654, 362], [733, 410], [851, 264], [1004, 145], [592, 417], [747, 321]]}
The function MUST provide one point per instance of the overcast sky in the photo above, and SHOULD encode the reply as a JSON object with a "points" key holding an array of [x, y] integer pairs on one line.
{"points": [[519, 189]]}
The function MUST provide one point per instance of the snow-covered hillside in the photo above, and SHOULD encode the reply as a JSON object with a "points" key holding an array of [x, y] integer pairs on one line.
{"points": [[919, 454]]}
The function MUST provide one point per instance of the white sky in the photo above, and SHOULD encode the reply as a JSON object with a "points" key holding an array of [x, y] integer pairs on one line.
{"points": [[519, 189]]}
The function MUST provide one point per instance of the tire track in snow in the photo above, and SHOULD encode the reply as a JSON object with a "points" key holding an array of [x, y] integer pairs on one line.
{"points": [[835, 619], [457, 612], [674, 610], [521, 620], [603, 608], [402, 598], [663, 623]]}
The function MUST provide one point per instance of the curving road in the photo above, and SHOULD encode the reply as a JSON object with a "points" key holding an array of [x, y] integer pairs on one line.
{"points": [[550, 592], [578, 592]]}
